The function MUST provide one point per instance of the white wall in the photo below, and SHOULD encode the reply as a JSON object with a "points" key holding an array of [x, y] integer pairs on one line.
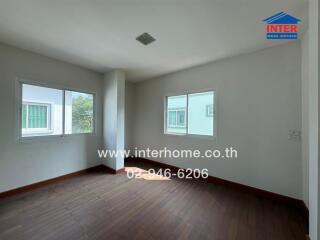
{"points": [[129, 113], [29, 162], [114, 116], [310, 62], [258, 102], [305, 117]]}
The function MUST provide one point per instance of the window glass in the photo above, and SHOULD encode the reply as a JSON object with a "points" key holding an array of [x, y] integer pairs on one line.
{"points": [[200, 113], [78, 112], [181, 118], [210, 110], [41, 111], [176, 114], [191, 114], [172, 118]]}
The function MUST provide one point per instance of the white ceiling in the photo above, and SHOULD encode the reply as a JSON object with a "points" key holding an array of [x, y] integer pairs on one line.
{"points": [[100, 34]]}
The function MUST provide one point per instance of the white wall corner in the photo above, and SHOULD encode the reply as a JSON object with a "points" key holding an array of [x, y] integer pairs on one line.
{"points": [[313, 121], [305, 117], [114, 117]]}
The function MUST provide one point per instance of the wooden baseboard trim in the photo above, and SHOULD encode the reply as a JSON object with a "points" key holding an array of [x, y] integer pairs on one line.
{"points": [[50, 181], [114, 171], [121, 170], [299, 204]]}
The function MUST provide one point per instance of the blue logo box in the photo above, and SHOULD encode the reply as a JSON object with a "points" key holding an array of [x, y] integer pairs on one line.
{"points": [[282, 35]]}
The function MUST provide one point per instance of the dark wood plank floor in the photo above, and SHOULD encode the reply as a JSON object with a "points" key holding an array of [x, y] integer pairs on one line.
{"points": [[105, 206]]}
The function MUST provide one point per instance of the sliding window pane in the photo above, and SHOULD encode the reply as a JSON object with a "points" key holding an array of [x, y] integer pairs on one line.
{"points": [[201, 113], [41, 111], [79, 112], [176, 114]]}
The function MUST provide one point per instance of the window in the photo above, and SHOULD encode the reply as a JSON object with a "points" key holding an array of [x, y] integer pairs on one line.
{"points": [[48, 111], [78, 112], [198, 121], [176, 114], [41, 111], [190, 114]]}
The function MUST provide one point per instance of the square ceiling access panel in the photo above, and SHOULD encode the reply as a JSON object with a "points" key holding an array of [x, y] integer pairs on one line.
{"points": [[145, 39]]}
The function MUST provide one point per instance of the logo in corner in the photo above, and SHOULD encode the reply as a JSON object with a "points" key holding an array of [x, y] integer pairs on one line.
{"points": [[282, 26]]}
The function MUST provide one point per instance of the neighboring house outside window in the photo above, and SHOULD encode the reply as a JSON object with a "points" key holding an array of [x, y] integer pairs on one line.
{"points": [[209, 110], [177, 118], [36, 117], [190, 114]]}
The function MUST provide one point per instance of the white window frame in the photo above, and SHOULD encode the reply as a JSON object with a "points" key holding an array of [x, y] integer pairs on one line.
{"points": [[187, 93], [21, 138]]}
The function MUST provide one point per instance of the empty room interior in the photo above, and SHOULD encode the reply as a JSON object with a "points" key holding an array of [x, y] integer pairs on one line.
{"points": [[151, 119]]}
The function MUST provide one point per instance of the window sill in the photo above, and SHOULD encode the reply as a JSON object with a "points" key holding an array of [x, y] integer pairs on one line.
{"points": [[53, 137], [41, 133], [204, 137]]}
